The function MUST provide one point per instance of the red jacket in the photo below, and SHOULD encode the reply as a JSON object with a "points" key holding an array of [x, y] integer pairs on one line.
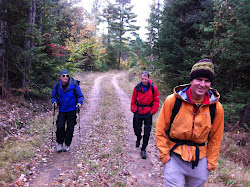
{"points": [[145, 98]]}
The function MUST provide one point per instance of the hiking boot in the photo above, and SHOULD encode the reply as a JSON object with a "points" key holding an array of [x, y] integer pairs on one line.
{"points": [[66, 149], [137, 143], [59, 148], [143, 154]]}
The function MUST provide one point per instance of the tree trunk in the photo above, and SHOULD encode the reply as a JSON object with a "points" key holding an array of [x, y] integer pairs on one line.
{"points": [[3, 40], [29, 40], [41, 20], [120, 40], [158, 29]]}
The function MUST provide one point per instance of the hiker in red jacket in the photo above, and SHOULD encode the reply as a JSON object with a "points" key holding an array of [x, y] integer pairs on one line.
{"points": [[145, 103]]}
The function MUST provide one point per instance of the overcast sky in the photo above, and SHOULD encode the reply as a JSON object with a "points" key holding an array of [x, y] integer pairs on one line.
{"points": [[141, 8]]}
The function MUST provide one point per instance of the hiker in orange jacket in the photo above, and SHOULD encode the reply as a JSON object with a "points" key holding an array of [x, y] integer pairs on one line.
{"points": [[145, 103], [189, 147]]}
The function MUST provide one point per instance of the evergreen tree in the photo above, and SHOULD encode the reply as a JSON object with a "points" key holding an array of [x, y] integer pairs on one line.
{"points": [[109, 15], [229, 48], [179, 32], [120, 19], [30, 65], [153, 28]]}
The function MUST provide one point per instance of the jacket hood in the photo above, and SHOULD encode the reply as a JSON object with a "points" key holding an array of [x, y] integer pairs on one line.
{"points": [[180, 92]]}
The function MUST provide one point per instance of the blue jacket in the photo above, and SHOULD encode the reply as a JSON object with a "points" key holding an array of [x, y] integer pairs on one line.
{"points": [[68, 99]]}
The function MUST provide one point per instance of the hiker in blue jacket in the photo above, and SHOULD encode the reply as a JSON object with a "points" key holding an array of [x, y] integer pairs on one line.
{"points": [[68, 96]]}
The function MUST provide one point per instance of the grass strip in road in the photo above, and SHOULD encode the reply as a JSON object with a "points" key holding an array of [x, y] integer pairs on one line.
{"points": [[102, 160]]}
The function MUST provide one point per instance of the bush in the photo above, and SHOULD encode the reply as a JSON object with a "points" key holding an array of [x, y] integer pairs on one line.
{"points": [[233, 112]]}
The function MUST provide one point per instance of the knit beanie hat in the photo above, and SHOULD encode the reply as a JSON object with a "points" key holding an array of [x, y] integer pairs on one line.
{"points": [[64, 72], [203, 68]]}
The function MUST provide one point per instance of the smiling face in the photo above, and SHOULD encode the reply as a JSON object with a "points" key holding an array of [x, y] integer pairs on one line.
{"points": [[144, 80], [64, 78], [199, 87]]}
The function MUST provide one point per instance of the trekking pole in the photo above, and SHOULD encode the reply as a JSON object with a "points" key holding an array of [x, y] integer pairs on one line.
{"points": [[53, 124], [78, 110]]}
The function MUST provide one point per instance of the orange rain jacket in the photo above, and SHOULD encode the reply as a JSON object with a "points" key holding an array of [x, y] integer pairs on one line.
{"points": [[203, 131]]}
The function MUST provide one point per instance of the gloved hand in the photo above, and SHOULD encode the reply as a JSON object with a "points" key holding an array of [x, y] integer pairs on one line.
{"points": [[54, 104], [79, 106]]}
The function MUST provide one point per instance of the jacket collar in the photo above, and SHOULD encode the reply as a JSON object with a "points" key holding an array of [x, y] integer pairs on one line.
{"points": [[181, 93]]}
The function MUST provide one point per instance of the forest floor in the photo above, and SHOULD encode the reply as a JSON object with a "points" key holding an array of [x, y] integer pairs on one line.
{"points": [[103, 151]]}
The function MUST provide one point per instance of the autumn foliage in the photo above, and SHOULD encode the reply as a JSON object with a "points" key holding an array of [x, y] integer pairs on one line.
{"points": [[54, 50]]}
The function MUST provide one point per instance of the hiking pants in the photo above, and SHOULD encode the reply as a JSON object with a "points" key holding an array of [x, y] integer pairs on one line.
{"points": [[137, 124], [179, 173], [65, 135]]}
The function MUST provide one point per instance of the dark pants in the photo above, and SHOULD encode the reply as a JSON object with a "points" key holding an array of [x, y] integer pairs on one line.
{"points": [[137, 124], [62, 134]]}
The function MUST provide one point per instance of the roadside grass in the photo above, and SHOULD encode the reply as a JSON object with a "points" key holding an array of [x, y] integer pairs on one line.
{"points": [[229, 174], [128, 80], [102, 158], [21, 149], [233, 164]]}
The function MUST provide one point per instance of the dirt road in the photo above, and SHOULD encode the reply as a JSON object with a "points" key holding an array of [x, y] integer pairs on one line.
{"points": [[105, 154]]}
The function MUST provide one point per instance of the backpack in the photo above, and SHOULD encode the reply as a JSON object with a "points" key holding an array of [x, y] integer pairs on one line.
{"points": [[138, 90]]}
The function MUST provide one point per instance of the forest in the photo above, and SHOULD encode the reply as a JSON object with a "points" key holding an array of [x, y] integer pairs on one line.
{"points": [[39, 38]]}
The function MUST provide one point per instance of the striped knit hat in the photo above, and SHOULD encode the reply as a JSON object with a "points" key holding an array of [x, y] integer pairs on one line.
{"points": [[203, 68]]}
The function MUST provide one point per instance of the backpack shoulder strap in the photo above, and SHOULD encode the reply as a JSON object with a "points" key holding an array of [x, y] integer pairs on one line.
{"points": [[212, 109], [176, 108], [153, 88], [57, 87], [76, 82]]}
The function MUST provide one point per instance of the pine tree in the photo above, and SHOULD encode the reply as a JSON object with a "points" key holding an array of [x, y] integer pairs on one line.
{"points": [[179, 42], [229, 47], [153, 27], [120, 19]]}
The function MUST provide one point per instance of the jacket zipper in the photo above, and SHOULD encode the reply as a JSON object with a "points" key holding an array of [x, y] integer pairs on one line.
{"points": [[195, 112]]}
